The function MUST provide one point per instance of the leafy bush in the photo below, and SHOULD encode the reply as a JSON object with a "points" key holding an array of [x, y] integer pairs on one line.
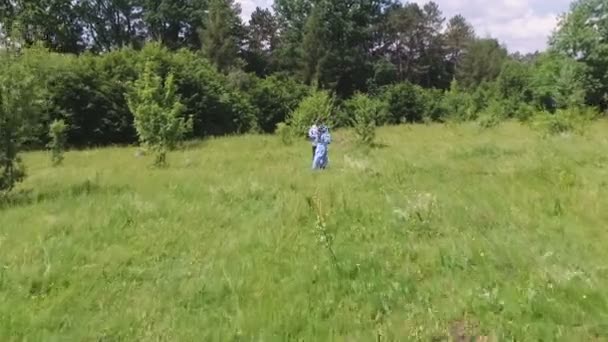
{"points": [[215, 107], [406, 103], [564, 121], [158, 113], [492, 115], [87, 92], [459, 104], [435, 110], [385, 73], [488, 120], [514, 81], [525, 112], [274, 98], [57, 133], [317, 106], [367, 112], [481, 98], [558, 82]]}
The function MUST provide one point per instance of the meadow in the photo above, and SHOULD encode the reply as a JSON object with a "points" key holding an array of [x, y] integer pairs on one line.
{"points": [[442, 232]]}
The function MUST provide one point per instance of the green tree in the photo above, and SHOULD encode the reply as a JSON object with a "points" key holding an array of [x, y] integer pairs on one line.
{"points": [[317, 106], [403, 40], [312, 46], [385, 73], [514, 81], [55, 23], [459, 104], [291, 16], [367, 114], [559, 82], [262, 40], [113, 24], [511, 95], [481, 63], [432, 49], [413, 42], [57, 134], [87, 92], [222, 35], [158, 113], [21, 107], [406, 103], [411, 38], [458, 37], [174, 23], [582, 34], [275, 98], [346, 38]]}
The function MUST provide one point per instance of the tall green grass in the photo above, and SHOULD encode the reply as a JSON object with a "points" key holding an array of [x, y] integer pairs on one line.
{"points": [[443, 231]]}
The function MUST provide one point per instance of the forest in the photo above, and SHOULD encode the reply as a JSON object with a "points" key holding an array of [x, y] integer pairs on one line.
{"points": [[76, 61]]}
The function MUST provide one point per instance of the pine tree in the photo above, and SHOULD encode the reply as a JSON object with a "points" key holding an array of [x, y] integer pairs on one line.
{"points": [[223, 34]]}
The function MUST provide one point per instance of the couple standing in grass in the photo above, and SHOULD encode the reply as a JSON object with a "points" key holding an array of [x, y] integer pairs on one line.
{"points": [[320, 138]]}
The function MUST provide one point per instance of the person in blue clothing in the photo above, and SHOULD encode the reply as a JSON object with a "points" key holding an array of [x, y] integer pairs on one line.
{"points": [[313, 133], [321, 159]]}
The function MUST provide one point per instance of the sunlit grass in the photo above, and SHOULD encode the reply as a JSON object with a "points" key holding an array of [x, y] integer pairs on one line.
{"points": [[443, 230]]}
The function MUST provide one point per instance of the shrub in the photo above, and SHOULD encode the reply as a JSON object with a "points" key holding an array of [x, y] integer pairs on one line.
{"points": [[525, 112], [274, 98], [488, 120], [87, 92], [481, 98], [491, 115], [57, 133], [385, 73], [514, 81], [558, 82], [435, 110], [158, 113], [317, 106], [367, 112], [573, 120], [207, 97], [459, 105]]}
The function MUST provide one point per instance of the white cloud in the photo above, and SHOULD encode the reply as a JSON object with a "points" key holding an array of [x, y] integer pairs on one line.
{"points": [[523, 25]]}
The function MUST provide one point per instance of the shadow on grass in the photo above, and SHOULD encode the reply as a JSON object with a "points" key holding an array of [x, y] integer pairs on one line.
{"points": [[378, 145], [30, 197]]}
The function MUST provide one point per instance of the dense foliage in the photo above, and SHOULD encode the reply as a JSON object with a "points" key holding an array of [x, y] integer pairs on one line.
{"points": [[302, 60], [21, 103]]}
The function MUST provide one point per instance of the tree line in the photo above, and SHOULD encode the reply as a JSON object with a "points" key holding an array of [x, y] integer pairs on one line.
{"points": [[77, 61]]}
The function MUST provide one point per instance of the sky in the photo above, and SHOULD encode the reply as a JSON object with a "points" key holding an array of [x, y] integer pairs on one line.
{"points": [[522, 25]]}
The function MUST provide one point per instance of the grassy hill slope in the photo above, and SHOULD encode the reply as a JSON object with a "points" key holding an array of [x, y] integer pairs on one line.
{"points": [[443, 231]]}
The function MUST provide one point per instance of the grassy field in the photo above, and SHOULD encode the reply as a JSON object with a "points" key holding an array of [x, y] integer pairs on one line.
{"points": [[442, 232]]}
